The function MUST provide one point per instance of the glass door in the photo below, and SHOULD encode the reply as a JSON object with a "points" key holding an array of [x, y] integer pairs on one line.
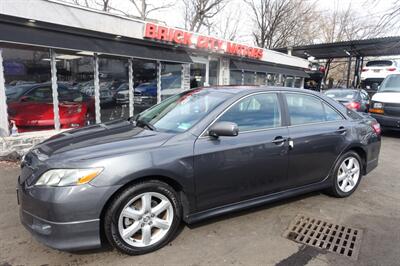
{"points": [[199, 72]]}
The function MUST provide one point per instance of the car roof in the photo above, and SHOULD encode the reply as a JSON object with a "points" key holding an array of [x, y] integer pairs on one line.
{"points": [[343, 89], [237, 89]]}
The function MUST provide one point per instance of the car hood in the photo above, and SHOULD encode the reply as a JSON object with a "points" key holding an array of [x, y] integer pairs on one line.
{"points": [[100, 140], [387, 97]]}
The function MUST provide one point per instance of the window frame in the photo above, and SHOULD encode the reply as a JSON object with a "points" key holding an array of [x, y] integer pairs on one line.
{"points": [[286, 106], [282, 110]]}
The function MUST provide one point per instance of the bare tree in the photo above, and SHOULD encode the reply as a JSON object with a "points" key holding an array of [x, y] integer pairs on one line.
{"points": [[343, 25], [144, 7], [198, 13], [391, 17], [280, 23]]}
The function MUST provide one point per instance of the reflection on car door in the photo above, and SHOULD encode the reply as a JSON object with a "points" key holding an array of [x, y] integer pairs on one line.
{"points": [[230, 169], [318, 132]]}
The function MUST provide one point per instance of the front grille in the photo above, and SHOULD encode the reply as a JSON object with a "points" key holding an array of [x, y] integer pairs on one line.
{"points": [[340, 239], [392, 109]]}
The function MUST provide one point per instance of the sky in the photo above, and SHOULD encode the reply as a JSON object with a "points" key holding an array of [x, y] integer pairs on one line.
{"points": [[173, 16]]}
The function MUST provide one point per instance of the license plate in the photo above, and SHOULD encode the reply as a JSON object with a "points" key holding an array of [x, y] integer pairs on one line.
{"points": [[377, 70]]}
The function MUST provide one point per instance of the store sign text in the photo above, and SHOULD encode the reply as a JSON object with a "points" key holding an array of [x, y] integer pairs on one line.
{"points": [[193, 40]]}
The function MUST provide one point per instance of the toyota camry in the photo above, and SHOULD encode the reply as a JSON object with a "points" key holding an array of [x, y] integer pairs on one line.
{"points": [[199, 154]]}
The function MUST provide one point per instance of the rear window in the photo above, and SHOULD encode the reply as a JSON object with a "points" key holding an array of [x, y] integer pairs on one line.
{"points": [[379, 63]]}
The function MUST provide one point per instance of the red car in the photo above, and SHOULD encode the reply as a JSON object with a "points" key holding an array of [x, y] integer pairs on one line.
{"points": [[31, 107]]}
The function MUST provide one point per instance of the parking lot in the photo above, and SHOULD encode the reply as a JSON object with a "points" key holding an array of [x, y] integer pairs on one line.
{"points": [[251, 237]]}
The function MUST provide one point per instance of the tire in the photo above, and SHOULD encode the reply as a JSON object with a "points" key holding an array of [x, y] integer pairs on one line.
{"points": [[339, 189], [133, 212]]}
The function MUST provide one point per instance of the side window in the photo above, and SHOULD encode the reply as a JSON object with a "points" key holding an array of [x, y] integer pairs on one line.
{"points": [[331, 114], [41, 94], [364, 96], [259, 111], [304, 109]]}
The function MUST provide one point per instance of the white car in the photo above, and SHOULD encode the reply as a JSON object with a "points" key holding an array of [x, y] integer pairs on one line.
{"points": [[376, 71]]}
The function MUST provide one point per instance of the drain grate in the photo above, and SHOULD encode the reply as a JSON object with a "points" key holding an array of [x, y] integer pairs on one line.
{"points": [[325, 235]]}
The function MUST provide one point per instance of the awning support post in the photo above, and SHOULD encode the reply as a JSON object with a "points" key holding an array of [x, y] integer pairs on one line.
{"points": [[348, 72], [54, 88], [97, 89], [4, 130], [130, 88], [158, 81], [356, 72]]}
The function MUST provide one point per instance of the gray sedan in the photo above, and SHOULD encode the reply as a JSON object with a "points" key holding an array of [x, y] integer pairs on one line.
{"points": [[196, 155]]}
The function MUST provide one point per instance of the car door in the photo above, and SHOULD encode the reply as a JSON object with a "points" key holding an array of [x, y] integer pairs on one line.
{"points": [[317, 133], [231, 169]]}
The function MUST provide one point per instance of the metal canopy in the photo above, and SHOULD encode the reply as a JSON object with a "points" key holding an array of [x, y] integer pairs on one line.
{"points": [[257, 67], [15, 33], [357, 48]]}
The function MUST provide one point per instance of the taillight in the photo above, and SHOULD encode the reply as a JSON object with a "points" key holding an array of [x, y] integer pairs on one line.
{"points": [[364, 69], [377, 128], [322, 69], [353, 105], [391, 69]]}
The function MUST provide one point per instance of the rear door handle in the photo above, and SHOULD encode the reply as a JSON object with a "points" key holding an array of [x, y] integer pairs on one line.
{"points": [[279, 140], [341, 130]]}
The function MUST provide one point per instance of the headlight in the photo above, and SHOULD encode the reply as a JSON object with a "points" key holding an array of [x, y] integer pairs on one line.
{"points": [[67, 177], [377, 108]]}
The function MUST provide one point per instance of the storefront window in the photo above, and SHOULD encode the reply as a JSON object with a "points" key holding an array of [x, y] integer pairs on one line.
{"points": [[171, 79], [289, 81], [28, 88], [213, 72], [272, 79], [261, 79], [297, 82], [76, 89], [197, 75], [144, 83], [113, 72], [249, 78], [235, 77]]}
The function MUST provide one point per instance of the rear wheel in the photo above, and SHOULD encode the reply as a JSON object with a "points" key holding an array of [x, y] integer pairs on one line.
{"points": [[143, 218], [346, 175]]}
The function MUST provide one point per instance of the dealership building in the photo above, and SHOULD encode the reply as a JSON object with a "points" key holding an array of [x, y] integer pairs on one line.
{"points": [[64, 66]]}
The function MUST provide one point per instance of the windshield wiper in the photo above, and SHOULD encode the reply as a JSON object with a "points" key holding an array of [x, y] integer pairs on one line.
{"points": [[144, 123]]}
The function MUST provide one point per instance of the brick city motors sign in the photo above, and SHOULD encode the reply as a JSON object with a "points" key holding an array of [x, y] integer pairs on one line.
{"points": [[194, 40]]}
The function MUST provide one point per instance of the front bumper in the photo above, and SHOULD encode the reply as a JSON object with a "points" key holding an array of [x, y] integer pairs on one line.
{"points": [[389, 122], [64, 218]]}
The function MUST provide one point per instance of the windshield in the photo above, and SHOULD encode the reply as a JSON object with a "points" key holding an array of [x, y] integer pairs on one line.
{"points": [[180, 112], [342, 94], [390, 84], [13, 92]]}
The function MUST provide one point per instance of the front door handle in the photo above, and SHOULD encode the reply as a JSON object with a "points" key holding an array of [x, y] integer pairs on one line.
{"points": [[279, 140]]}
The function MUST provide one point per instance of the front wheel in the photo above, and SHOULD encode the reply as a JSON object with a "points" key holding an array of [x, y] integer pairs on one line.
{"points": [[346, 175], [143, 218]]}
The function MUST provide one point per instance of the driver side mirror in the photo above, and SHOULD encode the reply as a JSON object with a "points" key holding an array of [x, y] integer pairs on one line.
{"points": [[223, 128]]}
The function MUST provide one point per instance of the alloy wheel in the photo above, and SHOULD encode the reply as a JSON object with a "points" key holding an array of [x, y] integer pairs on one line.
{"points": [[145, 219], [348, 174]]}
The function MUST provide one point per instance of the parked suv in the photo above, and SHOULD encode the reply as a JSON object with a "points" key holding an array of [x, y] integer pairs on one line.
{"points": [[375, 72]]}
